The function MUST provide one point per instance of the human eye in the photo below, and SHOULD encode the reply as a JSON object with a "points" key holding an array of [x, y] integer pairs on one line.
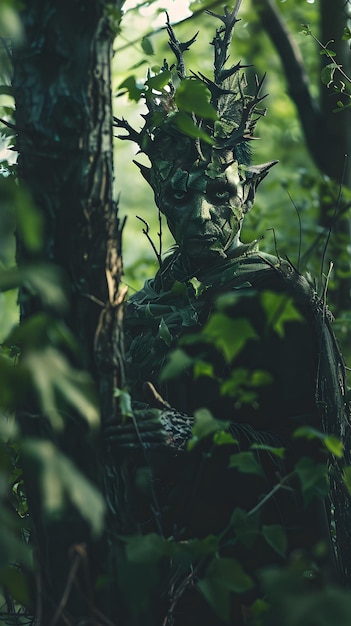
{"points": [[221, 194], [178, 196]]}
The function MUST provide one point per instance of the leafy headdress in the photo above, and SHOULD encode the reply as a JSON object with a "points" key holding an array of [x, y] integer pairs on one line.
{"points": [[197, 128]]}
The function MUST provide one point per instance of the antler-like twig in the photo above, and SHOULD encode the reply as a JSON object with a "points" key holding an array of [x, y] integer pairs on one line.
{"points": [[178, 48], [133, 134], [221, 42]]}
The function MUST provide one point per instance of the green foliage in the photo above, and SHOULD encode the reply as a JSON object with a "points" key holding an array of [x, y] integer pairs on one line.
{"points": [[194, 97], [313, 478], [224, 576], [62, 483], [228, 335], [205, 424], [246, 462], [279, 310], [332, 443]]}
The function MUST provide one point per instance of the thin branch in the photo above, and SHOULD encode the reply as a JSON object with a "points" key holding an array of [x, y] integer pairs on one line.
{"points": [[146, 232]]}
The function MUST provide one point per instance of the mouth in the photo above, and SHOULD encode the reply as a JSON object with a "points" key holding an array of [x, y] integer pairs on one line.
{"points": [[199, 245]]}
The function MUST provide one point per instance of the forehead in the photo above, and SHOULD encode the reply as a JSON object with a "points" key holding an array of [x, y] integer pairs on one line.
{"points": [[201, 177]]}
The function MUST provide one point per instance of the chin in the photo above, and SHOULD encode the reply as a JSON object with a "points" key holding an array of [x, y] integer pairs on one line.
{"points": [[204, 256]]}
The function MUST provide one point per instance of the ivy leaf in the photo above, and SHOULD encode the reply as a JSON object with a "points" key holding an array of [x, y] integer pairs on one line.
{"points": [[327, 73], [204, 425], [313, 478], [145, 548], [202, 368], [223, 438], [246, 526], [186, 125], [193, 96], [177, 363], [275, 536], [223, 577], [279, 310], [228, 335], [246, 463], [332, 443], [134, 89], [147, 46], [279, 452], [158, 82]]}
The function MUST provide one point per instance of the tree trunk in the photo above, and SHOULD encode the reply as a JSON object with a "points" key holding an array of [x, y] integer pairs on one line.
{"points": [[327, 133], [64, 121]]}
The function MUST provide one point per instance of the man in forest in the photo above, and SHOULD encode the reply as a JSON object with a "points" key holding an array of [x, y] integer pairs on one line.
{"points": [[254, 348]]}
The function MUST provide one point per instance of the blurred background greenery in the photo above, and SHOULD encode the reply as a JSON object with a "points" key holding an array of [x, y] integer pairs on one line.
{"points": [[280, 132]]}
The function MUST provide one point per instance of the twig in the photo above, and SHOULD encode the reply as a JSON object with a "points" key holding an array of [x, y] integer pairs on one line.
{"points": [[68, 588], [268, 496], [146, 231]]}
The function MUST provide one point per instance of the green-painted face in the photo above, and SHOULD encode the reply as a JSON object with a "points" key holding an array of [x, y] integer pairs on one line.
{"points": [[204, 214]]}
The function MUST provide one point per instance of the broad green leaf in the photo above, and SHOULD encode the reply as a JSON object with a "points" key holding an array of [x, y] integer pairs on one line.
{"points": [[223, 577], [217, 597], [332, 443], [247, 527], [158, 82], [177, 363], [186, 125], [193, 96], [313, 478], [53, 378], [279, 310], [145, 548], [327, 73], [43, 280], [228, 335], [204, 425], [186, 552], [308, 432], [279, 452], [223, 438], [246, 462], [275, 536], [133, 87], [147, 46], [62, 482], [202, 368], [229, 574]]}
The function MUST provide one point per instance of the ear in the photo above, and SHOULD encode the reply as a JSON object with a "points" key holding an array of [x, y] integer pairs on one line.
{"points": [[145, 171], [252, 176]]}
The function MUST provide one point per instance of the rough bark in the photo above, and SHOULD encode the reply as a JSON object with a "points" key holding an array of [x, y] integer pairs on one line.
{"points": [[63, 117]]}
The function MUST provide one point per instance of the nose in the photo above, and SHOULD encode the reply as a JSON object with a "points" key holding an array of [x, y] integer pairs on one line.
{"points": [[202, 209]]}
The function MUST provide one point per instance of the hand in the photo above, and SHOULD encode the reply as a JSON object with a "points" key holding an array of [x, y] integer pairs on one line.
{"points": [[151, 428]]}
